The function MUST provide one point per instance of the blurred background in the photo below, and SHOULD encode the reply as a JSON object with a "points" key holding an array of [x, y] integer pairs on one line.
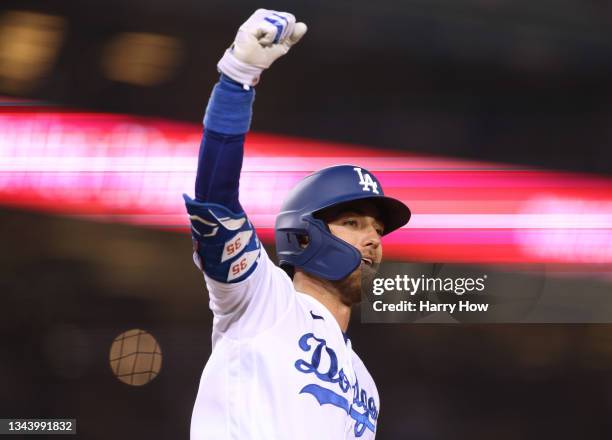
{"points": [[486, 107]]}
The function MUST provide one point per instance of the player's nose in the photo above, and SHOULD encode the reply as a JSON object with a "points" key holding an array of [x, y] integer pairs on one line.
{"points": [[371, 237]]}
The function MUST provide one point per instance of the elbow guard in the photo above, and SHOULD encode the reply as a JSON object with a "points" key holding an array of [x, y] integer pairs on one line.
{"points": [[226, 246]]}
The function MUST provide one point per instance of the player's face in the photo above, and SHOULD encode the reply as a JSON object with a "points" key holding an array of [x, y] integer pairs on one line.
{"points": [[360, 227]]}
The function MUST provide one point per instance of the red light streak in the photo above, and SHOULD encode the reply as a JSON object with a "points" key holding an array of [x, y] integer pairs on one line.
{"points": [[134, 170]]}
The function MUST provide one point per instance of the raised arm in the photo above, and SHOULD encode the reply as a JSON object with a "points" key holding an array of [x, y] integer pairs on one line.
{"points": [[226, 247]]}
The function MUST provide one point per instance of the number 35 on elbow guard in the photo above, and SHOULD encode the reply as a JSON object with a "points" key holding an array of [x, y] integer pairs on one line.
{"points": [[226, 246]]}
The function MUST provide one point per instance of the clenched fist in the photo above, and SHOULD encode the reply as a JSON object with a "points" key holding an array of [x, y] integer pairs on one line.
{"points": [[261, 40]]}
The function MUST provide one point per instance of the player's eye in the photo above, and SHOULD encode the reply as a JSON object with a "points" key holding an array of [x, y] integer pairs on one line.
{"points": [[350, 222], [379, 231]]}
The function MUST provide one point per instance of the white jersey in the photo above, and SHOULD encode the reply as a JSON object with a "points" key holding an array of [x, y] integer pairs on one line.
{"points": [[280, 367]]}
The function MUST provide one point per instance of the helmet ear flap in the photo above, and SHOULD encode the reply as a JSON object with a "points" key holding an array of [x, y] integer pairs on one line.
{"points": [[325, 256]]}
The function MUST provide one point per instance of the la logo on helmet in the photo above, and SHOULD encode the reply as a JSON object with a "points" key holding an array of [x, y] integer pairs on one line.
{"points": [[366, 181]]}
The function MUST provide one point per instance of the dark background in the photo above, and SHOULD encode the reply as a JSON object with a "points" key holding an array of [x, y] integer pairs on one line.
{"points": [[515, 81], [521, 82]]}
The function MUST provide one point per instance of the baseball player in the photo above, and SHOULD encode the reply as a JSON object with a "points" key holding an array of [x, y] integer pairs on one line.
{"points": [[281, 365]]}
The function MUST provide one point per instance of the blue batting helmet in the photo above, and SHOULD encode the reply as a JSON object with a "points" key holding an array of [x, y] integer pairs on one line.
{"points": [[325, 255]]}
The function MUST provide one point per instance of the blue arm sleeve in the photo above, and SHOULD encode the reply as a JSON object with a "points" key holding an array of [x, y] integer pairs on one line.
{"points": [[225, 243], [219, 165], [228, 117]]}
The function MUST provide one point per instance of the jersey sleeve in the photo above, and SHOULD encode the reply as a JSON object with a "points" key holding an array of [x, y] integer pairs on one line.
{"points": [[244, 309]]}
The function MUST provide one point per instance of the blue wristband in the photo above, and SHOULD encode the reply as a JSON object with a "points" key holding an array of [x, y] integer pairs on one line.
{"points": [[230, 108]]}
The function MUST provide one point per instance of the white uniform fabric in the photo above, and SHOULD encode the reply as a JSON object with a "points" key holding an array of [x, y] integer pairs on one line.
{"points": [[280, 367]]}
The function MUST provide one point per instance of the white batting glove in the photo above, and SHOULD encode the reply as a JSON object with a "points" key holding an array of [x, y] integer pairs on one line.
{"points": [[261, 40]]}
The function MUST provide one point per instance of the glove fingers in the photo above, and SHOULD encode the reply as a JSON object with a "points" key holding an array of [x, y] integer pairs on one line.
{"points": [[269, 27], [266, 33], [278, 50], [298, 32], [286, 21]]}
